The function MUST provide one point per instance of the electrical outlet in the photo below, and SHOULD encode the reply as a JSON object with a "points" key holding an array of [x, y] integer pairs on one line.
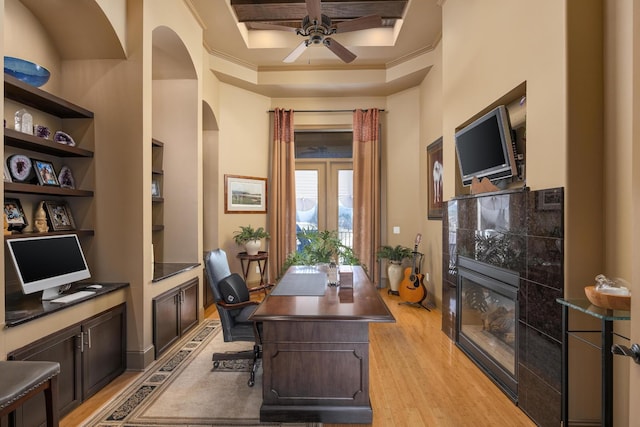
{"points": [[426, 276], [396, 230]]}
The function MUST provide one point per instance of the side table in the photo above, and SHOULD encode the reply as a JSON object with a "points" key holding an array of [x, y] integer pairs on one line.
{"points": [[261, 258], [607, 317]]}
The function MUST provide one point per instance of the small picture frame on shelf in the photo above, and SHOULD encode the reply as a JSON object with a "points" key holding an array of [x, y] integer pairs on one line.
{"points": [[59, 215], [65, 178], [16, 218], [155, 188], [45, 172]]}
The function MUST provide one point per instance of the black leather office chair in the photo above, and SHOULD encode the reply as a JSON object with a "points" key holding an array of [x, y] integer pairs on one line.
{"points": [[232, 298]]}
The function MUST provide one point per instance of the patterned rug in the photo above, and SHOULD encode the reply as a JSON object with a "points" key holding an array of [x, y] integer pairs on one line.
{"points": [[182, 389]]}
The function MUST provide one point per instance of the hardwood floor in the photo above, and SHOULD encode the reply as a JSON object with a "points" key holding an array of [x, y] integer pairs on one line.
{"points": [[418, 377]]}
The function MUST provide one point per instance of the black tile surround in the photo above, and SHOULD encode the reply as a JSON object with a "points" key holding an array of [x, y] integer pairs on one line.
{"points": [[523, 231]]}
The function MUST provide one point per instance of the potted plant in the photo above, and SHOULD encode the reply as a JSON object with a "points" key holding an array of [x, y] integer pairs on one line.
{"points": [[394, 256], [250, 237], [320, 247]]}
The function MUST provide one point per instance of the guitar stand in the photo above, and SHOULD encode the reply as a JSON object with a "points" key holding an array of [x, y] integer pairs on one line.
{"points": [[415, 304]]}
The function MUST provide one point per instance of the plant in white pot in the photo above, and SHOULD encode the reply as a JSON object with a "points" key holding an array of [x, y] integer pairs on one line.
{"points": [[251, 238], [394, 256]]}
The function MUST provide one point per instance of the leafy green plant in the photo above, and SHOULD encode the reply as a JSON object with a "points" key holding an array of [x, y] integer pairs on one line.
{"points": [[248, 233], [320, 247], [394, 253]]}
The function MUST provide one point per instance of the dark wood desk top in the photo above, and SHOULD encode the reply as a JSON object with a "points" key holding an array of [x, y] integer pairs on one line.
{"points": [[24, 308], [365, 306]]}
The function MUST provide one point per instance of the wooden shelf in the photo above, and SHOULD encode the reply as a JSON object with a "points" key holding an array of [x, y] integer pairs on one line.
{"points": [[158, 227], [25, 141], [37, 98], [18, 187], [80, 233]]}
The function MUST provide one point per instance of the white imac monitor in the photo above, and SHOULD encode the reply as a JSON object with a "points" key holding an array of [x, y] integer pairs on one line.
{"points": [[46, 263]]}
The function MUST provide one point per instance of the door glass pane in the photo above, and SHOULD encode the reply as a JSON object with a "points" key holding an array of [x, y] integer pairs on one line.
{"points": [[345, 206], [307, 199]]}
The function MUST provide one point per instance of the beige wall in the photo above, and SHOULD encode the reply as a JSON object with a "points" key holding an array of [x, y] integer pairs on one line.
{"points": [[243, 149], [430, 130], [631, 14], [621, 197]]}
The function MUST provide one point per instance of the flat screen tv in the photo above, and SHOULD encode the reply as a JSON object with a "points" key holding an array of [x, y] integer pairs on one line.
{"points": [[485, 148], [46, 263]]}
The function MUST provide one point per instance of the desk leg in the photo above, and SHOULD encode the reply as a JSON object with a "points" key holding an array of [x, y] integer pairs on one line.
{"points": [[607, 373], [565, 366]]}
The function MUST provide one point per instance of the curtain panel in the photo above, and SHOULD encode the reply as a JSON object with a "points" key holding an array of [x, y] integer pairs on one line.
{"points": [[282, 191], [366, 186]]}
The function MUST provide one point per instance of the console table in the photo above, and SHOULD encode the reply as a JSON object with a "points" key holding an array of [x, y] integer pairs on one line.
{"points": [[315, 348], [606, 317]]}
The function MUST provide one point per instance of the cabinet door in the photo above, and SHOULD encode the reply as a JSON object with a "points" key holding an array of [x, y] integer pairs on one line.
{"points": [[62, 347], [104, 341], [188, 305], [166, 320]]}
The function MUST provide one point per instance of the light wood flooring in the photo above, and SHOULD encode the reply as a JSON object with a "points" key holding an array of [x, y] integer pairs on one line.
{"points": [[418, 377]]}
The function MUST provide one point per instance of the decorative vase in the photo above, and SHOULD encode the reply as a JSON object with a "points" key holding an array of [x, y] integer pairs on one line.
{"points": [[394, 273], [252, 247]]}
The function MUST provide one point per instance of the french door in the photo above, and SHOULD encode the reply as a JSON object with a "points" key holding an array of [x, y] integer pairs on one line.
{"points": [[324, 196]]}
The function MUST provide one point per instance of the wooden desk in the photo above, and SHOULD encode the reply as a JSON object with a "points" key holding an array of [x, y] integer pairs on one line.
{"points": [[316, 353]]}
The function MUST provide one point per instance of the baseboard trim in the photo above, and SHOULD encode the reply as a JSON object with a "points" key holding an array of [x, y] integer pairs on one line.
{"points": [[139, 360]]}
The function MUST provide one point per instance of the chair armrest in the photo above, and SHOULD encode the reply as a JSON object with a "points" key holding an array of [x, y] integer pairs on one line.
{"points": [[236, 306]]}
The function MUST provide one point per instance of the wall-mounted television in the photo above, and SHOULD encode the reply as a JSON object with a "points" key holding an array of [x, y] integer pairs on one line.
{"points": [[485, 148], [46, 263]]}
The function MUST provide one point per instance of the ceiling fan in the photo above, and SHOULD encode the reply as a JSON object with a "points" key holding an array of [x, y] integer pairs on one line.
{"points": [[318, 28]]}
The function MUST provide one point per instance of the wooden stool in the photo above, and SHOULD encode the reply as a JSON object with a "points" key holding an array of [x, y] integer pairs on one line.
{"points": [[21, 380]]}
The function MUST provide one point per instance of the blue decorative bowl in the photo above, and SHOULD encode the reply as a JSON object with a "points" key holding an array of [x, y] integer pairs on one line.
{"points": [[28, 72]]}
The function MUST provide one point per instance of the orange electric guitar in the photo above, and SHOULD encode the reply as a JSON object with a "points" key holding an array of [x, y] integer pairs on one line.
{"points": [[412, 289]]}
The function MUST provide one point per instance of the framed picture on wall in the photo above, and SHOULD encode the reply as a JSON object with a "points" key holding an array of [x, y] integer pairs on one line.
{"points": [[434, 179], [245, 194]]}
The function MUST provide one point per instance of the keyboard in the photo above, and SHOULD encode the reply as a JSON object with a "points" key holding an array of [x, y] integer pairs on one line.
{"points": [[72, 297]]}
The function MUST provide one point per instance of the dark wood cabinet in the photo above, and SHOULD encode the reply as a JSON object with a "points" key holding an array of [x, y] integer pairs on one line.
{"points": [[91, 354], [174, 313], [104, 350]]}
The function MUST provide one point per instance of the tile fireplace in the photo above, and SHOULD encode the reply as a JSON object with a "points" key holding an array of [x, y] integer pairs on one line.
{"points": [[519, 232]]}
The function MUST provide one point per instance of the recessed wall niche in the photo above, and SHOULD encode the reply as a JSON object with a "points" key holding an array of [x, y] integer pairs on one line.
{"points": [[516, 104], [175, 123]]}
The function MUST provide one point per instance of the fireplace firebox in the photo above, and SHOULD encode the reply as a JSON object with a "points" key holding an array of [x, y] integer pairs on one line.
{"points": [[487, 315]]}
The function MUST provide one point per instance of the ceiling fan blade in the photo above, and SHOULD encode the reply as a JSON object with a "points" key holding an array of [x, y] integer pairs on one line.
{"points": [[363, 23], [266, 26], [313, 9], [295, 54], [340, 51]]}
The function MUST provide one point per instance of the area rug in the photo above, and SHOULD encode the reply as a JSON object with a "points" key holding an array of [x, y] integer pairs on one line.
{"points": [[183, 389]]}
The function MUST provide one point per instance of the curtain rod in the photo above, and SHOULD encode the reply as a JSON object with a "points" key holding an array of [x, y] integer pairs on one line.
{"points": [[323, 111]]}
